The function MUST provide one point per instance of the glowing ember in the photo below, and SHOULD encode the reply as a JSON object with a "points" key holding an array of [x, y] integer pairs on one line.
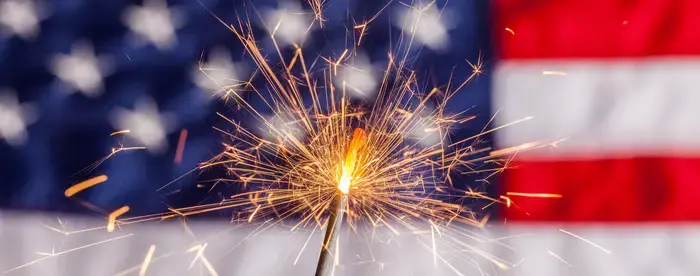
{"points": [[84, 185], [112, 218]]}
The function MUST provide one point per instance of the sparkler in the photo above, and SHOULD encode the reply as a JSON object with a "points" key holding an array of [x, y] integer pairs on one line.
{"points": [[394, 171], [339, 203], [388, 173], [391, 172]]}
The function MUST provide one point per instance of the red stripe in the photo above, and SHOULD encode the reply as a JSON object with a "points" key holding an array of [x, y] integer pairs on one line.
{"points": [[596, 28], [632, 189]]}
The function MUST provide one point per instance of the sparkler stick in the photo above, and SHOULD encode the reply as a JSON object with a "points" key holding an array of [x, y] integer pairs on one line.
{"points": [[325, 259], [339, 204]]}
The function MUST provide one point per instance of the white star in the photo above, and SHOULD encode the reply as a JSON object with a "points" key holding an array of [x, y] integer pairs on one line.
{"points": [[289, 23], [20, 17], [81, 70], [14, 118], [154, 23], [145, 125], [219, 74], [358, 78], [425, 24]]}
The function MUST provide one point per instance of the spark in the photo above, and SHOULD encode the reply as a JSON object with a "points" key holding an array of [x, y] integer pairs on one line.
{"points": [[122, 148], [112, 218], [119, 132], [85, 185], [147, 260], [558, 258], [145, 123], [317, 8], [200, 256], [181, 146], [253, 214], [534, 195], [114, 152], [587, 241], [56, 254], [556, 73], [363, 26], [513, 149], [510, 31], [508, 201], [448, 264], [304, 247]]}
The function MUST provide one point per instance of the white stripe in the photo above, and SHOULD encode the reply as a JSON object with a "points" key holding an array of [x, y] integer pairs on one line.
{"points": [[601, 108], [525, 250]]}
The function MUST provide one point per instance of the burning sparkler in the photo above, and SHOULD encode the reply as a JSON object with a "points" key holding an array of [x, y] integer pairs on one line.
{"points": [[305, 165], [340, 202], [383, 175]]}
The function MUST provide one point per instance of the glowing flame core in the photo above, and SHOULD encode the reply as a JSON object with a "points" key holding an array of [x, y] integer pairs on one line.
{"points": [[358, 140]]}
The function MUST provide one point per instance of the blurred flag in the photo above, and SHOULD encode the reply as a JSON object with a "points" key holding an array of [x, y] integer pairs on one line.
{"points": [[613, 85], [610, 84]]}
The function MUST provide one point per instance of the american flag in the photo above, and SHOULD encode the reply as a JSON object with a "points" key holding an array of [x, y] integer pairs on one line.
{"points": [[604, 80]]}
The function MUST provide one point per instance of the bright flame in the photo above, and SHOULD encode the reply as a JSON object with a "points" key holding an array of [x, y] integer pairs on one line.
{"points": [[358, 139]]}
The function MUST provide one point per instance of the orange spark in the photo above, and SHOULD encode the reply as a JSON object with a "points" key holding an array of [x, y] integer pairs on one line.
{"points": [[180, 146], [358, 140], [362, 28], [507, 199], [514, 149], [112, 218], [84, 185], [534, 195], [253, 214], [119, 132], [510, 31]]}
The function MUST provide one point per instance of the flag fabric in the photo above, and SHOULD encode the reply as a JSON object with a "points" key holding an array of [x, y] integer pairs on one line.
{"points": [[606, 87], [612, 86]]}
